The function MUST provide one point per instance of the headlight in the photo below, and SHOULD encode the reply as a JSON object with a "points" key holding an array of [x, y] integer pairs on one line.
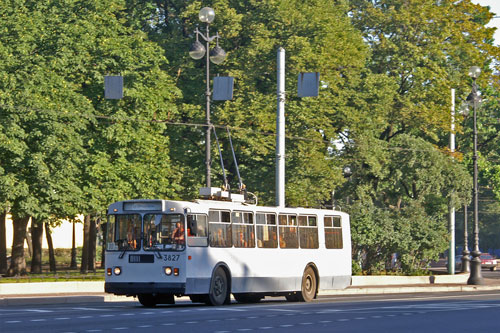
{"points": [[168, 270], [117, 270]]}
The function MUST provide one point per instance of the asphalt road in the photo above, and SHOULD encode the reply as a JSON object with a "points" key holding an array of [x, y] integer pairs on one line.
{"points": [[437, 312]]}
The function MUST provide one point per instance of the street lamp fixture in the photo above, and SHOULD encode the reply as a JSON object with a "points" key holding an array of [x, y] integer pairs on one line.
{"points": [[217, 55], [475, 277]]}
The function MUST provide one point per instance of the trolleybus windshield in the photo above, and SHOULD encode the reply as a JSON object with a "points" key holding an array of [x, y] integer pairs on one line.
{"points": [[164, 232], [123, 232]]}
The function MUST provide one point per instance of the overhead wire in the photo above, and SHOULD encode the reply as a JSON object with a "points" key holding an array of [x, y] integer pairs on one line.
{"points": [[191, 124]]}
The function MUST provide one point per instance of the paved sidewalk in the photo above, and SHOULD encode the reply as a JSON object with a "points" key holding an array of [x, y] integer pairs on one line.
{"points": [[82, 292]]}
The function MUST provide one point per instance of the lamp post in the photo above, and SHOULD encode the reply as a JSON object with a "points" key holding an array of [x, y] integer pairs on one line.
{"points": [[475, 277], [217, 55], [347, 172]]}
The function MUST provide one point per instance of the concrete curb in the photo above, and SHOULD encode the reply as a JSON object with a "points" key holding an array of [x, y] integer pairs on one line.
{"points": [[37, 293]]}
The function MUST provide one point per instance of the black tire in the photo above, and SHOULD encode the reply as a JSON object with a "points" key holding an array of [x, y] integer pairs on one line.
{"points": [[247, 298], [219, 288], [147, 300], [199, 298], [308, 291]]}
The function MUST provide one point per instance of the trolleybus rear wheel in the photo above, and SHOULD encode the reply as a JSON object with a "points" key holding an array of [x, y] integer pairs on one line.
{"points": [[219, 290], [308, 291]]}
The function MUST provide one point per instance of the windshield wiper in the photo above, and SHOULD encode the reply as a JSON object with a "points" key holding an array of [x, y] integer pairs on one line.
{"points": [[124, 250], [157, 253]]}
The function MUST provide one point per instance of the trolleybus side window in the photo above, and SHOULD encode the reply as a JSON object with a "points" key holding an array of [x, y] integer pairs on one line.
{"points": [[308, 232], [288, 231], [197, 230], [333, 232], [164, 232], [123, 232], [219, 226], [267, 232], [243, 232]]}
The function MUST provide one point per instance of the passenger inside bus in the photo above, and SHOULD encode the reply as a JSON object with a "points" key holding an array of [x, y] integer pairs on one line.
{"points": [[131, 236], [178, 234]]}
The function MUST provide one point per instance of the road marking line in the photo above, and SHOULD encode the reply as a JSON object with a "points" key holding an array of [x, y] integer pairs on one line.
{"points": [[12, 321], [42, 311], [38, 319], [265, 328]]}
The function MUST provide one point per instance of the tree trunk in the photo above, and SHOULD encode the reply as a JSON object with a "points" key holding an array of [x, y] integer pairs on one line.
{"points": [[27, 237], [36, 239], [3, 243], [92, 244], [18, 262], [104, 229], [52, 257], [85, 249], [73, 248]]}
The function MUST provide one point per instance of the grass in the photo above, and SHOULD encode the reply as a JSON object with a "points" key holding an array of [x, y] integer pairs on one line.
{"points": [[63, 270]]}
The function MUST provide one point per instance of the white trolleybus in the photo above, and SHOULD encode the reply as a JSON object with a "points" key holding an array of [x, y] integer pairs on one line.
{"points": [[210, 249]]}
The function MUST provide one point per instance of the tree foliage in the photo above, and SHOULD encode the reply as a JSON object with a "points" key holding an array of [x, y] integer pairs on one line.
{"points": [[386, 68]]}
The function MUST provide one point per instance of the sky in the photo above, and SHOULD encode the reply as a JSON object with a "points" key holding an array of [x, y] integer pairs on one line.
{"points": [[495, 22]]}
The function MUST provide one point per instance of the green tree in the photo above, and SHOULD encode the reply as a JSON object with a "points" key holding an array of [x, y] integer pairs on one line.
{"points": [[425, 48], [70, 150], [403, 189], [251, 32]]}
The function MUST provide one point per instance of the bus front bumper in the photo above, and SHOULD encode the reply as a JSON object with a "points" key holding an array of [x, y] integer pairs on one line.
{"points": [[135, 288]]}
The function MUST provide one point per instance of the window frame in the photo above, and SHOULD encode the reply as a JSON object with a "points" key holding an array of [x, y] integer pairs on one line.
{"points": [[309, 226], [335, 241]]}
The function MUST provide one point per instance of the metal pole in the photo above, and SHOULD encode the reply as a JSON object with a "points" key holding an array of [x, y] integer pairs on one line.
{"points": [[451, 252], [465, 252], [475, 274], [280, 131], [208, 160]]}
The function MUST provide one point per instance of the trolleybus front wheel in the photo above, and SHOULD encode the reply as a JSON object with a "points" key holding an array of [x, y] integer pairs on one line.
{"points": [[147, 300], [151, 300], [219, 288]]}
